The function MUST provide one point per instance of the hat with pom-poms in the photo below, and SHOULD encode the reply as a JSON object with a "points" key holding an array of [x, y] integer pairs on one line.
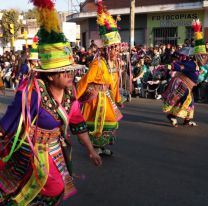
{"points": [[55, 52], [33, 55], [199, 47], [108, 28]]}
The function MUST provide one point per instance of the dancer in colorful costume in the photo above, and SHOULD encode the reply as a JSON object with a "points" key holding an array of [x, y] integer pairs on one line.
{"points": [[34, 140], [108, 31], [178, 98], [98, 89]]}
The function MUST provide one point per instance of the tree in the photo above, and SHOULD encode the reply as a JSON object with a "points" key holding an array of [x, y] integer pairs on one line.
{"points": [[9, 18], [30, 14]]}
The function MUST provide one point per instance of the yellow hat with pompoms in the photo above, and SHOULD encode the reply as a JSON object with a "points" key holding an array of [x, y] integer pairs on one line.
{"points": [[54, 50]]}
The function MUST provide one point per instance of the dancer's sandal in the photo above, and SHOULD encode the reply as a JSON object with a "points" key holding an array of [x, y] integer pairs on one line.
{"points": [[98, 150], [173, 121], [190, 123], [106, 152]]}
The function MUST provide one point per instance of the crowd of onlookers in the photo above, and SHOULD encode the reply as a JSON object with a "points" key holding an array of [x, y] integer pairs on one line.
{"points": [[10, 64], [150, 69]]}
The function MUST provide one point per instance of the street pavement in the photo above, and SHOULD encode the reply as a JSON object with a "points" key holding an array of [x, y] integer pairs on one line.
{"points": [[154, 164]]}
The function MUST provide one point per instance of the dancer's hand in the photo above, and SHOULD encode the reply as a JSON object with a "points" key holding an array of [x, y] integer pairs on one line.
{"points": [[84, 138], [95, 158], [134, 79]]}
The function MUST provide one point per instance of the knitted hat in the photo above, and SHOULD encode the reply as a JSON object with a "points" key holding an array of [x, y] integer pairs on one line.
{"points": [[33, 55], [55, 52], [108, 29], [199, 47]]}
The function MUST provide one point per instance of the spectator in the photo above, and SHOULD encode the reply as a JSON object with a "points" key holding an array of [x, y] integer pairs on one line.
{"points": [[156, 58], [7, 72], [200, 89], [89, 57], [93, 45], [166, 57], [82, 56]]}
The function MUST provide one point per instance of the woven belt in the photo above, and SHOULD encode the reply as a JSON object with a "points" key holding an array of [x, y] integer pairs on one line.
{"points": [[113, 70], [190, 84], [98, 87], [44, 136]]}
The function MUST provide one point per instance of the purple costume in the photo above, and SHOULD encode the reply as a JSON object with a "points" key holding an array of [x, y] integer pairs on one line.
{"points": [[22, 179], [178, 99]]}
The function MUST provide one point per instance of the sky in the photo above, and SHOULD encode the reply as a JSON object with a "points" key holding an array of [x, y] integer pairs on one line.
{"points": [[61, 5]]}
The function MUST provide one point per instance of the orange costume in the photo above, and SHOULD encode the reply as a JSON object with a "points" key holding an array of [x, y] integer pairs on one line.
{"points": [[97, 92], [1, 83]]}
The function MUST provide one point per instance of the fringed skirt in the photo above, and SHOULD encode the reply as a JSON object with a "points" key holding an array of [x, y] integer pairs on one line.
{"points": [[178, 99], [40, 200]]}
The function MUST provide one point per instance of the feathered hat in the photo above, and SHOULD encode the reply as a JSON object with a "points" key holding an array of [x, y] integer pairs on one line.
{"points": [[199, 47], [55, 52], [108, 28]]}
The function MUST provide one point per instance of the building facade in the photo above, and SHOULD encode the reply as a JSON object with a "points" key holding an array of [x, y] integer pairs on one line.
{"points": [[171, 27], [156, 22], [25, 34]]}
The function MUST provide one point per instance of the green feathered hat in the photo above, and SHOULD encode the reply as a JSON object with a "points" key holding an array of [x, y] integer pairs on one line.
{"points": [[199, 47]]}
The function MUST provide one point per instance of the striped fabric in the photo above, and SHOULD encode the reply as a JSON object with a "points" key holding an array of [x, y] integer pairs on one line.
{"points": [[117, 111], [100, 115], [55, 55], [56, 153], [111, 38], [178, 99], [15, 169], [41, 200]]}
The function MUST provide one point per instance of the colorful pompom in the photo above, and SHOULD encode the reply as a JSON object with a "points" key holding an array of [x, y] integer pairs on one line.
{"points": [[104, 18], [48, 19], [196, 24], [43, 4]]}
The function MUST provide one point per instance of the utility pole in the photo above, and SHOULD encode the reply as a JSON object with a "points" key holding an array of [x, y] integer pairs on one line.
{"points": [[132, 23], [26, 38], [68, 8], [11, 29]]}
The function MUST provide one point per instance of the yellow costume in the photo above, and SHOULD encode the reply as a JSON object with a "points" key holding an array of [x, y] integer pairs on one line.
{"points": [[97, 91], [116, 81]]}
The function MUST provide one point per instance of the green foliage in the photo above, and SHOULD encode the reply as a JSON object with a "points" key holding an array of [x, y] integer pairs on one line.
{"points": [[31, 14], [10, 17]]}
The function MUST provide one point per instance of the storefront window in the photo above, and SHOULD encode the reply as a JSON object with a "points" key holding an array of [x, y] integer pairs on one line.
{"points": [[166, 35], [189, 34]]}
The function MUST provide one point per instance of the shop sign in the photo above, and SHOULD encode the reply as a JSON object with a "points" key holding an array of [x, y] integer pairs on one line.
{"points": [[175, 20], [175, 23]]}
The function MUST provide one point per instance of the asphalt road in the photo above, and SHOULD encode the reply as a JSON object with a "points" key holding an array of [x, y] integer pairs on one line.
{"points": [[153, 163]]}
